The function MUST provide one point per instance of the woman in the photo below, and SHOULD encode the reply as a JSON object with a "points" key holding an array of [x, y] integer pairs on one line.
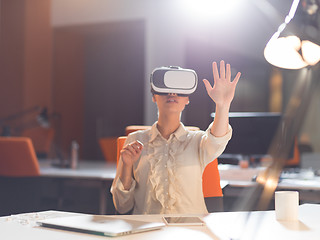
{"points": [[160, 169]]}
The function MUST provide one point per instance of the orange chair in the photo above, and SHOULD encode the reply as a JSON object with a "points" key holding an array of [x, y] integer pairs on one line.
{"points": [[108, 147], [120, 142], [210, 178], [295, 160], [20, 184], [211, 181], [18, 157], [133, 128]]}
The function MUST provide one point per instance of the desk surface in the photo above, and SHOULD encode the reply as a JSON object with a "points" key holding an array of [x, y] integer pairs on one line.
{"points": [[223, 225], [229, 174], [86, 169], [242, 177]]}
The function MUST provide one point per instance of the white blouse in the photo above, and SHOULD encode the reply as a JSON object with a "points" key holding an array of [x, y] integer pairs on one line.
{"points": [[168, 174]]}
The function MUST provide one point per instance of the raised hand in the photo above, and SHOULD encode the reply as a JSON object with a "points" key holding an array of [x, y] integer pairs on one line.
{"points": [[222, 92]]}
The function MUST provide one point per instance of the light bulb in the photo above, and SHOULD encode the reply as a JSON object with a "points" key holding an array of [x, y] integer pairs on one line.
{"points": [[310, 52], [283, 52]]}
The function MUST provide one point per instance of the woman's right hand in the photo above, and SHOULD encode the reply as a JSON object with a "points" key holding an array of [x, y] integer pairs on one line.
{"points": [[131, 153]]}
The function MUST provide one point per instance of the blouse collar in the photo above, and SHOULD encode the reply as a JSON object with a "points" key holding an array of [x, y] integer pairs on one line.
{"points": [[180, 134]]}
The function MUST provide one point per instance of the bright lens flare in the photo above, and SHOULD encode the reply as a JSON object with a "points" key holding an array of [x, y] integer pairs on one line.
{"points": [[310, 52], [205, 9], [283, 53]]}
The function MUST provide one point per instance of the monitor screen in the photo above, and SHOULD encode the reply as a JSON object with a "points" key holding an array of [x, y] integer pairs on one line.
{"points": [[253, 132]]}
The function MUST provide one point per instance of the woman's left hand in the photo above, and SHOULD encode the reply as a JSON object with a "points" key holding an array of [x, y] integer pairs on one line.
{"points": [[222, 92]]}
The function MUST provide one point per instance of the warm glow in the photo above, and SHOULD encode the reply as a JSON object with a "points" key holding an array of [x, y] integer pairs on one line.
{"points": [[271, 183], [205, 9], [310, 52], [283, 52]]}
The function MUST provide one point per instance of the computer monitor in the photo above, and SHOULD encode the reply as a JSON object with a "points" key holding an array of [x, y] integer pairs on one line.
{"points": [[253, 133]]}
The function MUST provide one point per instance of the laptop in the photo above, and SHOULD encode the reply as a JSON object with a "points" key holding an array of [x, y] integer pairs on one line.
{"points": [[100, 225]]}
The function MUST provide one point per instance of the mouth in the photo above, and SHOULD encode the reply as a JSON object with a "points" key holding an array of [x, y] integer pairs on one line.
{"points": [[172, 100]]}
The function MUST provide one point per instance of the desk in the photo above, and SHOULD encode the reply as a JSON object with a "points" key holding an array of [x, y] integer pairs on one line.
{"points": [[89, 173], [242, 177], [225, 225], [233, 180], [236, 179], [86, 170]]}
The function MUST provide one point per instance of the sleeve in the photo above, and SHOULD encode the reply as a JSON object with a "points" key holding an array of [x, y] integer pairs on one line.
{"points": [[211, 146], [123, 199]]}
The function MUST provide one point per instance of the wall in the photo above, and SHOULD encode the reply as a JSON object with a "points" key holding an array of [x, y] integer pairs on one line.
{"points": [[25, 57]]}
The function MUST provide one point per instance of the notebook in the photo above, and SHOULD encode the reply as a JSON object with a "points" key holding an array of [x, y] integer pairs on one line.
{"points": [[100, 225]]}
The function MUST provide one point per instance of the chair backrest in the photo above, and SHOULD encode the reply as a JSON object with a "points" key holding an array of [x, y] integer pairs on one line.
{"points": [[120, 142], [210, 177], [132, 128], [108, 146], [18, 157], [211, 180], [295, 160]]}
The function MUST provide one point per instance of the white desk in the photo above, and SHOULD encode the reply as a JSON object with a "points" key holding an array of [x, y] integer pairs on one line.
{"points": [[227, 225], [86, 169], [98, 174], [233, 179], [242, 177]]}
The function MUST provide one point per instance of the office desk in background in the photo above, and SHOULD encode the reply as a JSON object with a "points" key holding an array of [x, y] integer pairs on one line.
{"points": [[90, 174], [86, 189], [257, 225], [234, 180], [237, 180]]}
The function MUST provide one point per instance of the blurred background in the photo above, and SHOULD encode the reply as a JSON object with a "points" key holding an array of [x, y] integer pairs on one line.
{"points": [[81, 67]]}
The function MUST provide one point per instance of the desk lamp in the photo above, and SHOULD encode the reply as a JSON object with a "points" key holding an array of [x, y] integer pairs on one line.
{"points": [[295, 45], [42, 119]]}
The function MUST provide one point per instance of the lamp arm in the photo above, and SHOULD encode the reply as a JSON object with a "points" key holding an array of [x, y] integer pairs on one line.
{"points": [[20, 114]]}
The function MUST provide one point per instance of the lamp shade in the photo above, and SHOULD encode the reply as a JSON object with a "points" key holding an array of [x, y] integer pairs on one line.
{"points": [[295, 45]]}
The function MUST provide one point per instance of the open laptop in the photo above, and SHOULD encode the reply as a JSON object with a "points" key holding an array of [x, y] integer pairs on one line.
{"points": [[100, 225]]}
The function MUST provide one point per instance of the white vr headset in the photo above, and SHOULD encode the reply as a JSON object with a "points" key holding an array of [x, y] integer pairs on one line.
{"points": [[171, 79]]}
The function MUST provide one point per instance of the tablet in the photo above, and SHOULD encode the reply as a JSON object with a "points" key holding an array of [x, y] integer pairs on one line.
{"points": [[183, 220]]}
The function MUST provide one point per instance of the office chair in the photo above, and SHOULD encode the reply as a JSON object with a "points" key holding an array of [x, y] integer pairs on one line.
{"points": [[18, 157], [210, 174], [211, 188], [120, 142], [19, 170], [132, 128], [108, 146]]}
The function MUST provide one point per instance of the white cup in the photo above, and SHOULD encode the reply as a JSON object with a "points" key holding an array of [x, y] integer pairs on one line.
{"points": [[287, 205]]}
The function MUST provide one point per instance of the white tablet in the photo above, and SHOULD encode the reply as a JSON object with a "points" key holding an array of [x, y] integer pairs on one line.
{"points": [[185, 220]]}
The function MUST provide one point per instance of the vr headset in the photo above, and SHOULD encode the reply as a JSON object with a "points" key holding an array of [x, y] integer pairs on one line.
{"points": [[171, 79]]}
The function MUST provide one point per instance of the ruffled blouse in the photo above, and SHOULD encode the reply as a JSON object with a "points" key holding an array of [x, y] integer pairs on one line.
{"points": [[167, 178]]}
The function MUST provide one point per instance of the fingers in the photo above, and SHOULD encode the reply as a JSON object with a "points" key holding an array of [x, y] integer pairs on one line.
{"points": [[215, 71], [207, 85], [134, 147], [236, 79], [222, 70], [228, 74], [225, 72]]}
